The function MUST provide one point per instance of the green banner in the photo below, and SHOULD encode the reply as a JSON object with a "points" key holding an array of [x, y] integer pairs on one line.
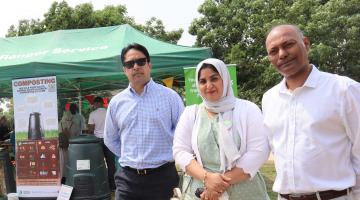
{"points": [[191, 93]]}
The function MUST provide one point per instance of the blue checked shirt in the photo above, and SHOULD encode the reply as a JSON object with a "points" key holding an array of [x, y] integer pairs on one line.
{"points": [[139, 129]]}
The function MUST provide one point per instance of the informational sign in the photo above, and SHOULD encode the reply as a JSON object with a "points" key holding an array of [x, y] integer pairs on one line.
{"points": [[191, 93], [82, 165], [65, 192], [36, 133]]}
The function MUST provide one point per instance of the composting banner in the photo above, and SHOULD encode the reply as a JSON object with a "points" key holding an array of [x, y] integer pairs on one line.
{"points": [[36, 133], [191, 94]]}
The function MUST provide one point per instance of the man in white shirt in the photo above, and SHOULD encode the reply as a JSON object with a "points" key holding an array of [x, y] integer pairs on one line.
{"points": [[96, 126], [314, 123]]}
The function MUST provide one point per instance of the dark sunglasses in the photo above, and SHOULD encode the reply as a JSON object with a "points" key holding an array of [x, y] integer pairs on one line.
{"points": [[140, 62]]}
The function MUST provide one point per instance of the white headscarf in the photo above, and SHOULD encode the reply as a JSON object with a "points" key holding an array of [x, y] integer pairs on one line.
{"points": [[227, 100], [224, 107]]}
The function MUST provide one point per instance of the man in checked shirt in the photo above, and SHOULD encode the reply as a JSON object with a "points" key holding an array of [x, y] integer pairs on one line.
{"points": [[139, 129]]}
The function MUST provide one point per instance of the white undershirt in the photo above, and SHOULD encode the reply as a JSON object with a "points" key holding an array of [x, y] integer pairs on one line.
{"points": [[97, 117]]}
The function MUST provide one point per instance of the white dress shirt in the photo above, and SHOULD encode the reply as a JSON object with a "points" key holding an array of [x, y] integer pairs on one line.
{"points": [[315, 133]]}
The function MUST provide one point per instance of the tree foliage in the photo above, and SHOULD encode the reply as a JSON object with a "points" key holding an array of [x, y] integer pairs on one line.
{"points": [[156, 28], [8, 112], [335, 28], [61, 16], [236, 31]]}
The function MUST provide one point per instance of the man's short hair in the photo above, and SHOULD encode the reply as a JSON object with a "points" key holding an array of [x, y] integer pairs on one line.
{"points": [[98, 99], [135, 46], [297, 29]]}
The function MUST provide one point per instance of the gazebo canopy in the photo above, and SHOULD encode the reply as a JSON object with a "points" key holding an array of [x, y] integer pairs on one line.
{"points": [[88, 60]]}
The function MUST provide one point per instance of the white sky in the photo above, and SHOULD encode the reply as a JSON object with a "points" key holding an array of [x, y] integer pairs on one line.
{"points": [[174, 14]]}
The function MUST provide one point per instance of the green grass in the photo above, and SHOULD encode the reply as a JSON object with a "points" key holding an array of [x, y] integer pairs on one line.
{"points": [[268, 172], [47, 134], [51, 133]]}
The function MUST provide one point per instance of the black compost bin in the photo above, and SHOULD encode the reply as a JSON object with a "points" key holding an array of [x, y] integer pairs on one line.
{"points": [[7, 181], [86, 170]]}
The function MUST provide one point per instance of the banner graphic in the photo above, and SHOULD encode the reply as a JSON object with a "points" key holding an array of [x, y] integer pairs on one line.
{"points": [[36, 133]]}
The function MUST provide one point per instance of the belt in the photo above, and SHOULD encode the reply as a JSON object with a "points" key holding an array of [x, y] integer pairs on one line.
{"points": [[149, 170], [324, 195]]}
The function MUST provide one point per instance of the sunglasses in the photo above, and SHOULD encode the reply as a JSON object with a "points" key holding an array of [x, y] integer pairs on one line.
{"points": [[130, 64]]}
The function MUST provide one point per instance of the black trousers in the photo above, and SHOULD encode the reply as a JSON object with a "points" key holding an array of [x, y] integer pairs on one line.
{"points": [[110, 163], [155, 185]]}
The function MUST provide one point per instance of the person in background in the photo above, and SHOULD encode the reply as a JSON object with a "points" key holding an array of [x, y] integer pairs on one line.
{"points": [[78, 121], [64, 136], [73, 124], [96, 125], [4, 129], [313, 118], [139, 129], [222, 142]]}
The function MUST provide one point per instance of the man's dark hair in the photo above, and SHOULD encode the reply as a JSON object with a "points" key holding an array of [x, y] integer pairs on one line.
{"points": [[98, 99], [135, 46]]}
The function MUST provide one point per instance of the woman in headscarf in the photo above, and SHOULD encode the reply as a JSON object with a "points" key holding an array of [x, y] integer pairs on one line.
{"points": [[221, 143]]}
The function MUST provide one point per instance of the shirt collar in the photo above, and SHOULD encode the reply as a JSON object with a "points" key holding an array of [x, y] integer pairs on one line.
{"points": [[147, 87], [310, 82], [313, 77]]}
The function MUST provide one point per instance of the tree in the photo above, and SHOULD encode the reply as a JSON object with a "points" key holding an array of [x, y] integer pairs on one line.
{"points": [[61, 16], [113, 15], [236, 31], [156, 28], [335, 29], [26, 27], [8, 112], [83, 16]]}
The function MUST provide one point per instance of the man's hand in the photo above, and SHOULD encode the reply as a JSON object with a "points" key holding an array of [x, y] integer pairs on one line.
{"points": [[91, 128]]}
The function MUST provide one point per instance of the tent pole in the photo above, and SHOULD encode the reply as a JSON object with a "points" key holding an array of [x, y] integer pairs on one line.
{"points": [[80, 103]]}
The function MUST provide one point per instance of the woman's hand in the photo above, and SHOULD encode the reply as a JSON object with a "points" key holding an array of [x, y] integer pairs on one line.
{"points": [[216, 183], [237, 175], [210, 195]]}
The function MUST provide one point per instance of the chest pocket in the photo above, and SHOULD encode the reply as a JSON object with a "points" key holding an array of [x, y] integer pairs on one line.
{"points": [[158, 111]]}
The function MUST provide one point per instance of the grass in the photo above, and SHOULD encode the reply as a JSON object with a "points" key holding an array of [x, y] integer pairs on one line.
{"points": [[268, 172], [23, 135]]}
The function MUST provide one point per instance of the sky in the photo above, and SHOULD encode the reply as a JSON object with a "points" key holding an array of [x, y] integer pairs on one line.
{"points": [[174, 14]]}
